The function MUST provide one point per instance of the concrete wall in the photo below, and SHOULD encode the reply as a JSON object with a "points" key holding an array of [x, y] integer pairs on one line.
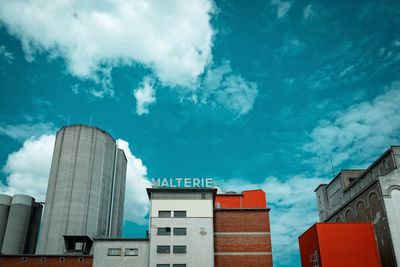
{"points": [[101, 258], [194, 208], [18, 223], [199, 240], [45, 260], [242, 238], [5, 202], [119, 194], [78, 200]]}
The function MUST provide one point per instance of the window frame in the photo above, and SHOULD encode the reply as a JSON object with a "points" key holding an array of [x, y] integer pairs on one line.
{"points": [[166, 232], [159, 251], [164, 211], [116, 249], [178, 212], [179, 252], [179, 228], [131, 249]]}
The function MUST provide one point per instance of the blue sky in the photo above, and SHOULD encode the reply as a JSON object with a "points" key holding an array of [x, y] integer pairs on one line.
{"points": [[256, 95]]}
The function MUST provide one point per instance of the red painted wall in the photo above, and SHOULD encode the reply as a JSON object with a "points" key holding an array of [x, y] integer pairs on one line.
{"points": [[247, 199], [340, 245]]}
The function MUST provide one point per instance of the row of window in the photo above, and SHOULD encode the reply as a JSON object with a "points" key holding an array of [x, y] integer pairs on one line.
{"points": [[44, 259], [118, 252], [175, 249], [168, 213], [169, 265], [167, 231]]}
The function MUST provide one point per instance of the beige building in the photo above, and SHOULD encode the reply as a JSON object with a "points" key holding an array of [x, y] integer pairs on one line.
{"points": [[370, 195]]}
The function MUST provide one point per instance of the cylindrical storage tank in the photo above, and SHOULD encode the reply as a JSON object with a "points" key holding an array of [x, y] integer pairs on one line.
{"points": [[17, 224], [5, 202], [79, 190]]}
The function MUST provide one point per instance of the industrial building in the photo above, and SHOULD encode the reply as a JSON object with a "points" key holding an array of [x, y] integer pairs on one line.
{"points": [[188, 227], [19, 224], [196, 227], [339, 245], [370, 195], [86, 188]]}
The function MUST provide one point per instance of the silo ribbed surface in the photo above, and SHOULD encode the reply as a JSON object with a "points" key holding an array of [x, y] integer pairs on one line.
{"points": [[119, 194], [79, 193], [5, 202], [18, 224]]}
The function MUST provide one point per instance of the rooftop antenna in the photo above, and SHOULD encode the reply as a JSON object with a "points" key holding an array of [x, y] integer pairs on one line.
{"points": [[91, 117], [333, 170]]}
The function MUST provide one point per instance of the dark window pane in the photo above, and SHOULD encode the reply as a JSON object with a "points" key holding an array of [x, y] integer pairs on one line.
{"points": [[179, 265], [164, 231], [179, 231], [179, 249], [180, 214], [163, 249], [163, 265], [164, 213]]}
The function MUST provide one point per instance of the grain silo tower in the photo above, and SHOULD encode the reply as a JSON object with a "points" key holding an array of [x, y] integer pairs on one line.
{"points": [[19, 224], [5, 203], [85, 188]]}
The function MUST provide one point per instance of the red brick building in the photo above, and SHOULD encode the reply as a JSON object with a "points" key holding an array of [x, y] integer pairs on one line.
{"points": [[242, 231], [46, 260]]}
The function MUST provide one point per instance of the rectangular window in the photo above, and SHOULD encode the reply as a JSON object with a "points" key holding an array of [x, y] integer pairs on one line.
{"points": [[179, 265], [164, 213], [114, 252], [164, 231], [131, 252], [180, 213], [163, 265], [179, 249], [179, 231], [164, 249]]}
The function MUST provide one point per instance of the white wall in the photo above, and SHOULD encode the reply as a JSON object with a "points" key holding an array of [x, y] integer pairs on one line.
{"points": [[194, 207], [199, 242], [393, 214], [101, 258]]}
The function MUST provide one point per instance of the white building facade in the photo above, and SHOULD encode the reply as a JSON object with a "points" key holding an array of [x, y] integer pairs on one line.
{"points": [[181, 227]]}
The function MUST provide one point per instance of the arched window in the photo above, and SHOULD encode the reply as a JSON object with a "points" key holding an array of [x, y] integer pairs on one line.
{"points": [[349, 216]]}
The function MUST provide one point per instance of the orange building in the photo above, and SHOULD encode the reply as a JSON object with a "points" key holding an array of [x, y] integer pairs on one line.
{"points": [[241, 229], [339, 245]]}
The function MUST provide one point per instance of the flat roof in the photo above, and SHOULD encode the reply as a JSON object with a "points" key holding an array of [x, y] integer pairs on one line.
{"points": [[121, 239], [181, 190]]}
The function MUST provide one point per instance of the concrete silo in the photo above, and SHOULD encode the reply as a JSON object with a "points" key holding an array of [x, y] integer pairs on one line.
{"points": [[86, 169], [22, 226], [5, 203]]}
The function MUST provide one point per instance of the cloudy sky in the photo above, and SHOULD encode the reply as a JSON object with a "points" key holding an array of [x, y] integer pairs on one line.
{"points": [[256, 95]]}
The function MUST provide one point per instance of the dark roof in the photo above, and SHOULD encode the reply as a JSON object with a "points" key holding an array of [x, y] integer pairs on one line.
{"points": [[121, 239]]}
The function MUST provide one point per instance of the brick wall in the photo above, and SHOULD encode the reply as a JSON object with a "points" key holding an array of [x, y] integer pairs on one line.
{"points": [[41, 261], [242, 238]]}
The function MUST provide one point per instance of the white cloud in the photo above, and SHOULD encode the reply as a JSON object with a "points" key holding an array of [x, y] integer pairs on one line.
{"points": [[145, 96], [359, 134], [136, 200], [231, 91], [173, 38], [28, 168], [308, 12], [7, 56], [27, 172], [23, 131], [282, 7], [293, 210]]}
